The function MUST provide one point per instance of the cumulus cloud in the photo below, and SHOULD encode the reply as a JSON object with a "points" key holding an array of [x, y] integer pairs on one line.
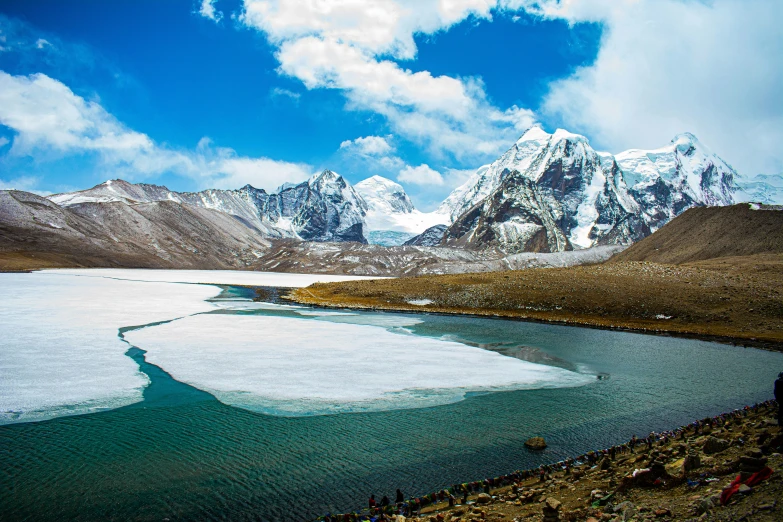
{"points": [[343, 44], [668, 66], [367, 146], [421, 175], [207, 10], [50, 118]]}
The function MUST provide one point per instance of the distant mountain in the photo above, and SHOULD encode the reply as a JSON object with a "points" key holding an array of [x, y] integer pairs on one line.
{"points": [[324, 208], [554, 192], [762, 188], [669, 180], [548, 193], [430, 237], [390, 211], [34, 231]]}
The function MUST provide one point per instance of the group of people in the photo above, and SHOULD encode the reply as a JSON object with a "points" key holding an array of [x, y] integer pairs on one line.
{"points": [[380, 511]]}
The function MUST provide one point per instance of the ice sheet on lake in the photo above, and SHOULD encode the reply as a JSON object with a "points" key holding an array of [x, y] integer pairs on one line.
{"points": [[59, 350], [217, 277], [302, 366]]}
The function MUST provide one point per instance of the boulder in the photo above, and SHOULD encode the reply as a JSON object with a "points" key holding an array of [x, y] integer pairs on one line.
{"points": [[715, 445], [483, 498], [536, 443]]}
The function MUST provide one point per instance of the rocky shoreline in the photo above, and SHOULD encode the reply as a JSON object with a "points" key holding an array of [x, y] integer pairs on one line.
{"points": [[724, 468]]}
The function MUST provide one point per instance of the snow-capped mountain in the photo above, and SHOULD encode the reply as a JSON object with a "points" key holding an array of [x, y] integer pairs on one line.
{"points": [[389, 209], [669, 180], [548, 193], [553, 192], [324, 208], [763, 188]]}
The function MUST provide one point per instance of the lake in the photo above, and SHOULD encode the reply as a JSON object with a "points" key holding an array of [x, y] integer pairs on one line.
{"points": [[146, 395]]}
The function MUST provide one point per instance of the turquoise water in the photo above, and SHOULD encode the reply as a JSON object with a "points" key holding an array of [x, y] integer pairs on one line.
{"points": [[182, 455]]}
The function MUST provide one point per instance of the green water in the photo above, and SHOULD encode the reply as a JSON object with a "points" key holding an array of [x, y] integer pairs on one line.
{"points": [[182, 455]]}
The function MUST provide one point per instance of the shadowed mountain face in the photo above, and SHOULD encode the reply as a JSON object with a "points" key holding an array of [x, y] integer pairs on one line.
{"points": [[162, 234]]}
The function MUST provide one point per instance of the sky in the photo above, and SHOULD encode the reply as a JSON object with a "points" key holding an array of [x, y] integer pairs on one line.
{"points": [[198, 94]]}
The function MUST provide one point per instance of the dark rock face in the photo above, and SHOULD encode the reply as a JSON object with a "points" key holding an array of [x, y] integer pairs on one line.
{"points": [[430, 237]]}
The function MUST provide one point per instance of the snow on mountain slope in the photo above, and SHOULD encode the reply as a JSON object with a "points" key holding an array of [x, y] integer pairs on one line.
{"points": [[762, 188], [488, 177], [565, 188], [324, 208], [389, 209], [667, 181], [548, 193]]}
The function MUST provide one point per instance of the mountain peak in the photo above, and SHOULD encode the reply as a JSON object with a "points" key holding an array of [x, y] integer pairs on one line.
{"points": [[534, 133]]}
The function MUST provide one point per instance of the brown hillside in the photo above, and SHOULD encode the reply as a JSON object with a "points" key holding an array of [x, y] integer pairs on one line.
{"points": [[711, 232]]}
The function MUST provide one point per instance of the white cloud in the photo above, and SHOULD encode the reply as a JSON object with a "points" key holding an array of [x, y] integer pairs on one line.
{"points": [[208, 10], [41, 43], [278, 92], [367, 146], [24, 183], [341, 44], [457, 177], [668, 66], [49, 118], [4, 141], [421, 175]]}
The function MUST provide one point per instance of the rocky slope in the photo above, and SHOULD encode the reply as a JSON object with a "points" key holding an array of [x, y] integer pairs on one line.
{"points": [[324, 208], [430, 237], [35, 232], [399, 261], [709, 233], [554, 192]]}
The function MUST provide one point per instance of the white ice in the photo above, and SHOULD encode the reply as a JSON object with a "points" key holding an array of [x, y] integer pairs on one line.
{"points": [[59, 349], [302, 366], [217, 277]]}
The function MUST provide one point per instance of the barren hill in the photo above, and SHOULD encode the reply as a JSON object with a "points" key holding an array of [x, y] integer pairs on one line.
{"points": [[704, 233]]}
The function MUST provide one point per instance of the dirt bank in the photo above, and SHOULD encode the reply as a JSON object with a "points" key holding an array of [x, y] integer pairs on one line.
{"points": [[734, 299]]}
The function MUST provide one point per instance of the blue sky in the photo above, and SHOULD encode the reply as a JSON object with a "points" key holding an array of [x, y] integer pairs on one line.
{"points": [[196, 94]]}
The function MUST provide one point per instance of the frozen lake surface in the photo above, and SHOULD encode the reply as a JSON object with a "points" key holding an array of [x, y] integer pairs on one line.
{"points": [[167, 397], [73, 361]]}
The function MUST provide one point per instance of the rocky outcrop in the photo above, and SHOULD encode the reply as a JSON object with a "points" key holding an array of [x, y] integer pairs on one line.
{"points": [[430, 237]]}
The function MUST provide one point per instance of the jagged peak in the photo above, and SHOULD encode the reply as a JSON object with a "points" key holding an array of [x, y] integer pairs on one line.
{"points": [[327, 177], [377, 180], [534, 133]]}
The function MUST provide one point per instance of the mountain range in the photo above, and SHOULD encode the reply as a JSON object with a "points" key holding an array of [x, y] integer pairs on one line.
{"points": [[547, 193]]}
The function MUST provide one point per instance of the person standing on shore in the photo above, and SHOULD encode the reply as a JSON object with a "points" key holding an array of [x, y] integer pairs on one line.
{"points": [[779, 397]]}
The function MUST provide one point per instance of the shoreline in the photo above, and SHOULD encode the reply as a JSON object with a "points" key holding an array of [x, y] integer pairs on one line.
{"points": [[740, 342], [730, 305], [666, 462]]}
